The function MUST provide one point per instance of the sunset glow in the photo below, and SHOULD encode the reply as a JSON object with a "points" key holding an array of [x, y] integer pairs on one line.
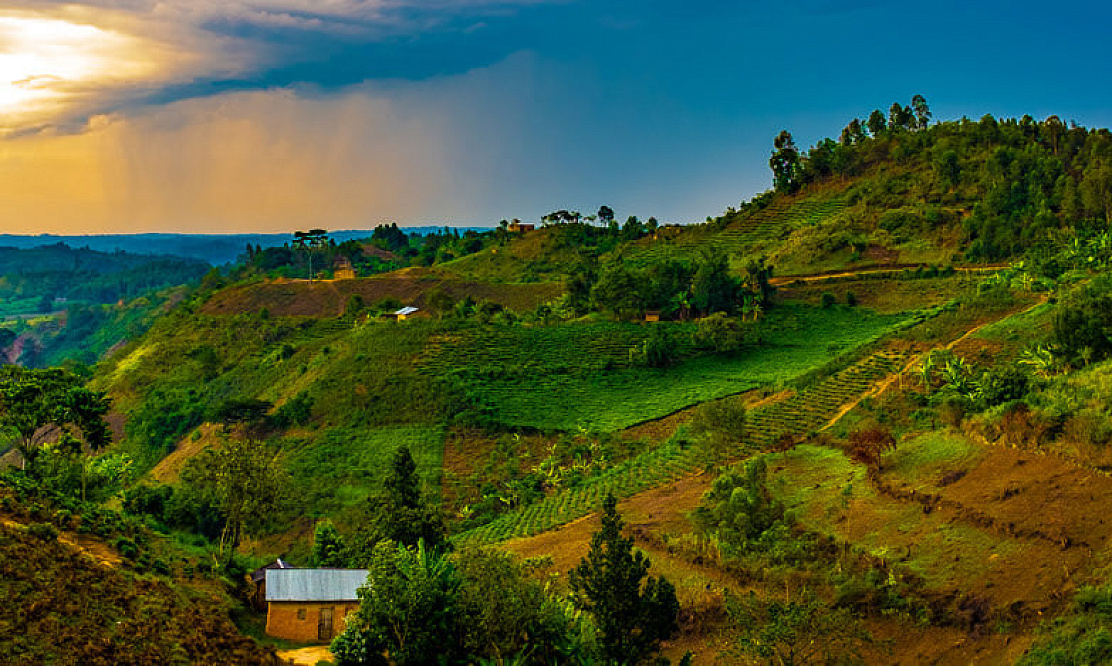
{"points": [[47, 65]]}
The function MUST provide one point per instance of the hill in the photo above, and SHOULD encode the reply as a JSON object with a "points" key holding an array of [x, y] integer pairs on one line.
{"points": [[883, 383], [73, 598]]}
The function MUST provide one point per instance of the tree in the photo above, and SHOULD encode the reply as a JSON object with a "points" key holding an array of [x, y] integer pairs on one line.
{"points": [[399, 513], [311, 240], [504, 610], [794, 632], [785, 163], [922, 112], [40, 406], [899, 117], [406, 609], [633, 611], [876, 123], [713, 289], [244, 480], [1096, 189], [328, 546], [605, 215], [618, 291]]}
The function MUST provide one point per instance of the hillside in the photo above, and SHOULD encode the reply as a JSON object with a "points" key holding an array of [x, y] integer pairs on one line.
{"points": [[74, 598], [875, 397]]}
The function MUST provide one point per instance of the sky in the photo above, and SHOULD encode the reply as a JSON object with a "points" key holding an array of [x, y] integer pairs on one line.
{"points": [[210, 116]]}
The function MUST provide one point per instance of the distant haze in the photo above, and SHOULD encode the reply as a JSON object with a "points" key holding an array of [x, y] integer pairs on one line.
{"points": [[213, 248]]}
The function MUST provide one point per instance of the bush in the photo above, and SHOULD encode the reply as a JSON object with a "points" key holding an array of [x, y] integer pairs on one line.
{"points": [[828, 299], [44, 531], [868, 445], [1083, 325], [851, 299]]}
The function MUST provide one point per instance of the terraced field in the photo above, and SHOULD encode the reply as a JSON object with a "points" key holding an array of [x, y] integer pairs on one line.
{"points": [[579, 376], [806, 411], [768, 224]]}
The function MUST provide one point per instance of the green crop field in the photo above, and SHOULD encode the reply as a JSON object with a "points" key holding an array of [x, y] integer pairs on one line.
{"points": [[578, 375], [769, 224], [342, 465], [807, 410]]}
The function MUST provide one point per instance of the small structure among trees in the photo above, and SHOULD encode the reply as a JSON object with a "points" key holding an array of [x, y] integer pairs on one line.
{"points": [[311, 604]]}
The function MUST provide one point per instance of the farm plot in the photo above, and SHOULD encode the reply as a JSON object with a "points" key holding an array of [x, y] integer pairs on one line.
{"points": [[578, 375], [769, 224], [806, 411], [343, 466]]}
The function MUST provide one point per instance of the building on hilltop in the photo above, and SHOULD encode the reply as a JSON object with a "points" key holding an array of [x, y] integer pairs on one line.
{"points": [[521, 226], [344, 270], [403, 314], [311, 604]]}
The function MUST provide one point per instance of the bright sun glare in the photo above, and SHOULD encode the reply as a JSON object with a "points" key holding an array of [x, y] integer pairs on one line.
{"points": [[46, 63]]}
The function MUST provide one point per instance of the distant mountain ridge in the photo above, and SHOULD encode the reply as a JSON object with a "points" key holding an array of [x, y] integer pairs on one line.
{"points": [[214, 248]]}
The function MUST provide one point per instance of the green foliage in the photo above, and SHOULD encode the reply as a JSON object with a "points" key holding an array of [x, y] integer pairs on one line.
{"points": [[721, 422], [399, 513], [740, 512], [328, 546], [1081, 636], [722, 333], [244, 480], [633, 613], [505, 611], [658, 350], [407, 608], [32, 402], [794, 632], [1083, 324]]}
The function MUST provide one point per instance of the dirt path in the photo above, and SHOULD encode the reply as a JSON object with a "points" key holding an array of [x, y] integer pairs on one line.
{"points": [[307, 656], [838, 275]]}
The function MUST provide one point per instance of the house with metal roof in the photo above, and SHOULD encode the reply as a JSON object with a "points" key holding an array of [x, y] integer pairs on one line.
{"points": [[311, 604], [258, 581]]}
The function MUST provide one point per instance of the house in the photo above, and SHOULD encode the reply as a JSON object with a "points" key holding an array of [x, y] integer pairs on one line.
{"points": [[258, 579], [344, 270], [311, 604], [652, 315], [403, 314], [521, 226]]}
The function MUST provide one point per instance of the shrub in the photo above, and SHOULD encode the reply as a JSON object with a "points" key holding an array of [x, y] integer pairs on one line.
{"points": [[868, 445], [43, 531], [851, 299], [828, 299]]}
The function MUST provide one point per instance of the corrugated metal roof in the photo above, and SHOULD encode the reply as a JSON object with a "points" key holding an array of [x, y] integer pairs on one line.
{"points": [[407, 311], [259, 574], [314, 584]]}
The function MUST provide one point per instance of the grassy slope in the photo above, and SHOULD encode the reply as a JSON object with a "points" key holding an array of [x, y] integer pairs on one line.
{"points": [[74, 599]]}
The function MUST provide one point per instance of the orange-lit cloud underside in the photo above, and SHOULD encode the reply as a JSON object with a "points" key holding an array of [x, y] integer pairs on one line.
{"points": [[259, 161]]}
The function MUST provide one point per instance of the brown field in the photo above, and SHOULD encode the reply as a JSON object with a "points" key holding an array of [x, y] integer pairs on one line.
{"points": [[327, 298]]}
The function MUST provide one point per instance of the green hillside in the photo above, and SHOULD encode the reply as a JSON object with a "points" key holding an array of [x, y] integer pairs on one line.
{"points": [[884, 382]]}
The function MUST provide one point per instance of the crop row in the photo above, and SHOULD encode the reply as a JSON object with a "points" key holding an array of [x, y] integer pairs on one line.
{"points": [[804, 412], [767, 224]]}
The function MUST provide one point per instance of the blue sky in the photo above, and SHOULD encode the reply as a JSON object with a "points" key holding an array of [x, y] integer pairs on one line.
{"points": [[261, 115]]}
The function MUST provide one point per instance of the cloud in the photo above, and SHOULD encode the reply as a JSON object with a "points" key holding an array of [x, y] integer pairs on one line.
{"points": [[61, 62], [273, 160]]}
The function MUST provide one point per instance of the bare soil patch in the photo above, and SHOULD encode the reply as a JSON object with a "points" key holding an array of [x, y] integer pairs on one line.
{"points": [[290, 298]]}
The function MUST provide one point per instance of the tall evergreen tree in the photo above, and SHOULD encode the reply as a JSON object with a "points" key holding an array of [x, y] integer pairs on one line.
{"points": [[633, 614]]}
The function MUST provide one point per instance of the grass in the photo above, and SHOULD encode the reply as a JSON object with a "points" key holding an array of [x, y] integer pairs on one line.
{"points": [[675, 458], [738, 234], [578, 375], [931, 456], [343, 465]]}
